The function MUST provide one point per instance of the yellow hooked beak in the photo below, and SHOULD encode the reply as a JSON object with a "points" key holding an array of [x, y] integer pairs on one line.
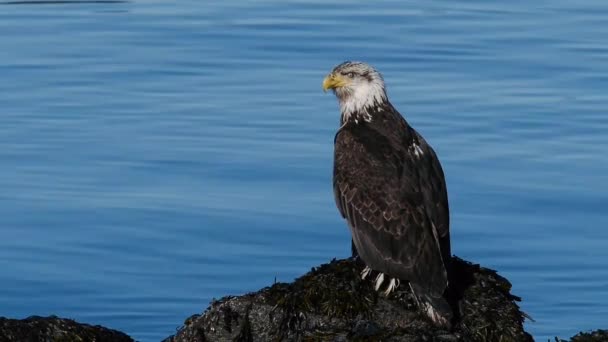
{"points": [[333, 81]]}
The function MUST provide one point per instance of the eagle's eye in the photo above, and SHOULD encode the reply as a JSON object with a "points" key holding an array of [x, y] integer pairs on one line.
{"points": [[351, 74]]}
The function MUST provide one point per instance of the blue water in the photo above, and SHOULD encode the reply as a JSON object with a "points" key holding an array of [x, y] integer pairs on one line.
{"points": [[158, 154]]}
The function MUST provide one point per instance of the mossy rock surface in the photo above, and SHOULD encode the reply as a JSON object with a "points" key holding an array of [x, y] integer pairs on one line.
{"points": [[329, 303], [594, 336], [332, 303], [55, 329]]}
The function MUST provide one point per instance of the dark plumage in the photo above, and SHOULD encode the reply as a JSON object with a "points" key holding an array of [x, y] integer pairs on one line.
{"points": [[389, 186]]}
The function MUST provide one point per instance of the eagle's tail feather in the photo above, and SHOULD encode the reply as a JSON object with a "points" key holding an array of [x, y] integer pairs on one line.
{"points": [[436, 308]]}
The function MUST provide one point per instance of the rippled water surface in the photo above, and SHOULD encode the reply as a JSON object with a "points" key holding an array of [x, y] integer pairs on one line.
{"points": [[158, 154]]}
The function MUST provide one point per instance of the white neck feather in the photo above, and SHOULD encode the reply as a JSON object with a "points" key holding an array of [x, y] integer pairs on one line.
{"points": [[364, 96]]}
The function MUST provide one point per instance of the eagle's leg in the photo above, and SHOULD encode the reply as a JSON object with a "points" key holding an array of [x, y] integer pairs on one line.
{"points": [[392, 286], [366, 271]]}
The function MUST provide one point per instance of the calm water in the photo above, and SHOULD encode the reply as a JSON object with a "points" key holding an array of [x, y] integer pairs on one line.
{"points": [[156, 155]]}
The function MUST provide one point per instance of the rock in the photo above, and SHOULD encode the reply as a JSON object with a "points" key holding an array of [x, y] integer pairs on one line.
{"points": [[332, 303], [51, 329], [594, 336]]}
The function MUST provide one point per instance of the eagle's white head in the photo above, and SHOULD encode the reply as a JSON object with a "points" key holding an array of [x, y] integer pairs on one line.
{"points": [[358, 87]]}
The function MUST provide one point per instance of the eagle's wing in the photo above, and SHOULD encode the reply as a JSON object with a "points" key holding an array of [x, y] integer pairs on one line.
{"points": [[381, 193], [436, 197]]}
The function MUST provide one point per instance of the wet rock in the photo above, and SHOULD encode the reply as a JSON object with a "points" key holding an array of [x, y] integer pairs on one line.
{"points": [[55, 329], [332, 303]]}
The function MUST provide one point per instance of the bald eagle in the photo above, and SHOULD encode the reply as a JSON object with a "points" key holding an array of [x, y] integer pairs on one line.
{"points": [[389, 186]]}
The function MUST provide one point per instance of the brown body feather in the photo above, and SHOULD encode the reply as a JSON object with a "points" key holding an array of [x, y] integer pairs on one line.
{"points": [[389, 186]]}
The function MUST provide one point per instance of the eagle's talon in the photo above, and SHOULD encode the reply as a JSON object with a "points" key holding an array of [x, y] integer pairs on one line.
{"points": [[366, 271], [379, 281], [392, 286]]}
